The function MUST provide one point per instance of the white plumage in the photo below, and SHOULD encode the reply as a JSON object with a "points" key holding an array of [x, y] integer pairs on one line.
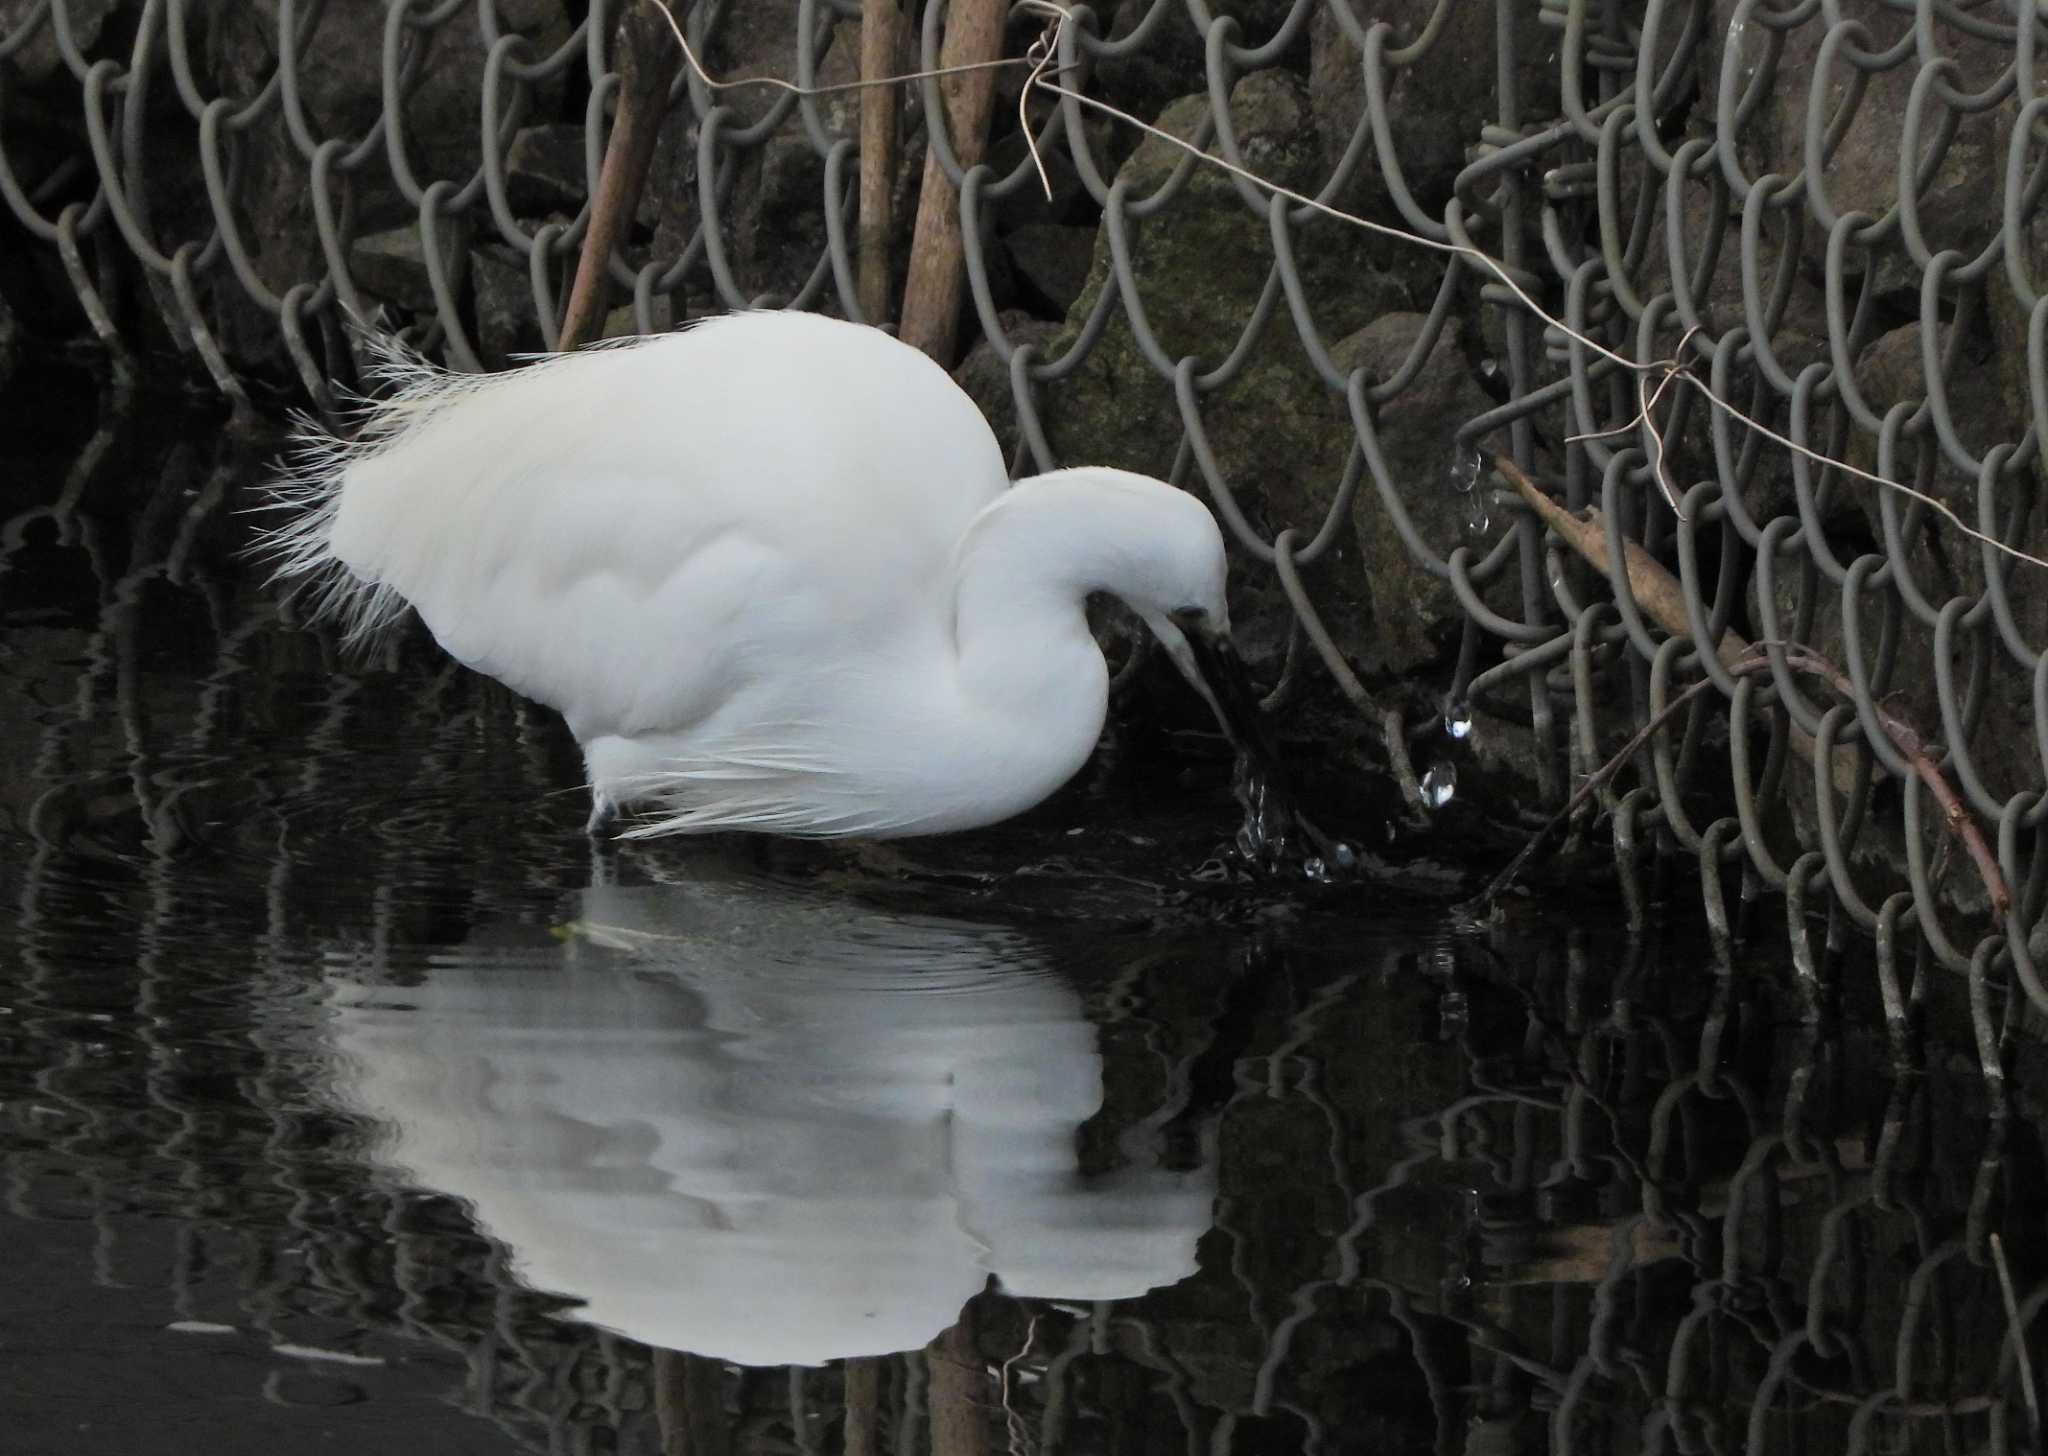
{"points": [[768, 568]]}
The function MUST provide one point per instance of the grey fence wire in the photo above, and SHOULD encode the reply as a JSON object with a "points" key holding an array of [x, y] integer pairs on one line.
{"points": [[1685, 1212], [1830, 211]]}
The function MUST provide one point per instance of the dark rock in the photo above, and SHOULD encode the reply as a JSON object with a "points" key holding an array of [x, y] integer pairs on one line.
{"points": [[10, 339], [342, 91], [1889, 373], [1029, 204], [546, 170], [1415, 618], [304, 1388], [1505, 772], [39, 62], [1862, 174], [1944, 564], [1437, 105], [506, 319], [774, 219], [986, 378], [1279, 433], [392, 266], [779, 228], [1173, 57], [625, 321], [1052, 262]]}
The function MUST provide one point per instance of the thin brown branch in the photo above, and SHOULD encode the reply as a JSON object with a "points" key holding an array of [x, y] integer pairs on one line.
{"points": [[881, 37], [1955, 815], [931, 294], [647, 67], [1658, 593]]}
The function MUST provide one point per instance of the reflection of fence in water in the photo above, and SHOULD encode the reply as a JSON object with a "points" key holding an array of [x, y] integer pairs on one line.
{"points": [[1832, 208], [1730, 1206]]}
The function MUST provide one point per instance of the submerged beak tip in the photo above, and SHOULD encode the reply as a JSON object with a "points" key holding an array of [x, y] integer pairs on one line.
{"points": [[1229, 689]]}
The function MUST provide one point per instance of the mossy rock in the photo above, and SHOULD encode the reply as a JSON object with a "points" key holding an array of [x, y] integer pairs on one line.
{"points": [[1279, 433]]}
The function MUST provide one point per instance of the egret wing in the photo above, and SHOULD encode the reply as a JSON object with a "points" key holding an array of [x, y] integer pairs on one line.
{"points": [[632, 535]]}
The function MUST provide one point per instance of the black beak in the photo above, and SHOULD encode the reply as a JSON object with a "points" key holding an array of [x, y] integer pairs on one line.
{"points": [[1270, 812], [1244, 722]]}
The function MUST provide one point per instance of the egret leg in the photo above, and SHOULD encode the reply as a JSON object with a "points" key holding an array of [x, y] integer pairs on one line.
{"points": [[604, 863], [604, 849]]}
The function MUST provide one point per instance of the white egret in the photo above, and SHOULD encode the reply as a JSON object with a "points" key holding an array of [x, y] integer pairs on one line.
{"points": [[769, 568]]}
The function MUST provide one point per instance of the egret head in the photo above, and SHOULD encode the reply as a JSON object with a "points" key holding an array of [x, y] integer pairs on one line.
{"points": [[1171, 570], [1169, 556], [1159, 550]]}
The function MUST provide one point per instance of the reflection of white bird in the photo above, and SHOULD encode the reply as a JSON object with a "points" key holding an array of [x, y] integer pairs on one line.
{"points": [[764, 1127], [767, 569]]}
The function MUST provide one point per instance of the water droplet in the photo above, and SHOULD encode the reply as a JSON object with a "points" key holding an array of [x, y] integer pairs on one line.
{"points": [[1268, 818], [1488, 368], [1457, 719], [1314, 869], [1439, 784], [1464, 468], [1476, 519], [1343, 856]]}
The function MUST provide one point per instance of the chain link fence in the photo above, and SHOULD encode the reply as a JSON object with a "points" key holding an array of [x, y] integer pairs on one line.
{"points": [[1825, 216], [1651, 1188]]}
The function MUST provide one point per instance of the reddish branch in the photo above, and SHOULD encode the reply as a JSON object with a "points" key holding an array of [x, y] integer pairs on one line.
{"points": [[648, 60], [931, 294], [1658, 593]]}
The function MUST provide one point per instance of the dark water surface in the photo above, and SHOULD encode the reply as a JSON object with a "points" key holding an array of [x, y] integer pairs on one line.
{"points": [[350, 1103]]}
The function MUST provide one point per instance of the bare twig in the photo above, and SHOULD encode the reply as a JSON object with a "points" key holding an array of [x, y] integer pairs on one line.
{"points": [[1646, 416], [1039, 55]]}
